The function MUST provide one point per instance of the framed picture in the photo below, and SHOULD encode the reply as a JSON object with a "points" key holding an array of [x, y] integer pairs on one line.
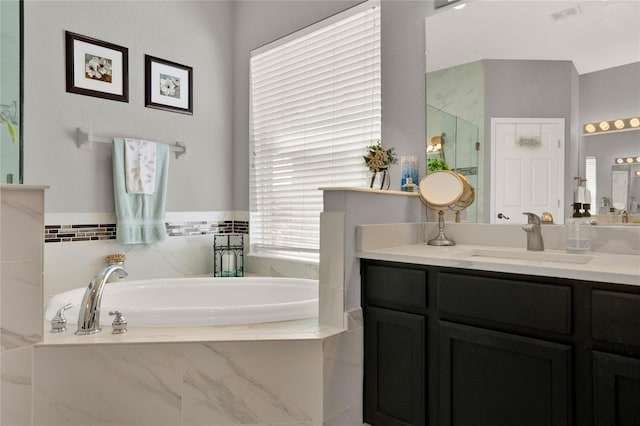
{"points": [[97, 68], [169, 86]]}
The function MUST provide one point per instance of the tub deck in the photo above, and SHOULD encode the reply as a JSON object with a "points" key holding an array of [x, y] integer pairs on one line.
{"points": [[303, 329]]}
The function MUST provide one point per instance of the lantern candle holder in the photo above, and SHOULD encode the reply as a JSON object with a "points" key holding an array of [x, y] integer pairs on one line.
{"points": [[228, 255]]}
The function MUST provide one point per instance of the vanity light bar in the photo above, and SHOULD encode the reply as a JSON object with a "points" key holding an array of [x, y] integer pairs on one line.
{"points": [[616, 125], [628, 160]]}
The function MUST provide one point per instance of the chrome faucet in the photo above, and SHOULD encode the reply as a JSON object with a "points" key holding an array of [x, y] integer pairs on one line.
{"points": [[89, 316], [534, 236]]}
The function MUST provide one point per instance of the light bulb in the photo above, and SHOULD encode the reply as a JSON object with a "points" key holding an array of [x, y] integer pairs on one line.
{"points": [[634, 122], [604, 125], [619, 124], [590, 128]]}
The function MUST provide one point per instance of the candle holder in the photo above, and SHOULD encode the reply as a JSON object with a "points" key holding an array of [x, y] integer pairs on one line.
{"points": [[228, 255]]}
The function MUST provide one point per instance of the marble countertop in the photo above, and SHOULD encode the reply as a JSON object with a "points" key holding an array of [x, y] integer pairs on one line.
{"points": [[22, 187], [305, 329], [602, 267]]}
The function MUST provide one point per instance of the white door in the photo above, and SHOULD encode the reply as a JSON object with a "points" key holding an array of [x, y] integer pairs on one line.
{"points": [[527, 168]]}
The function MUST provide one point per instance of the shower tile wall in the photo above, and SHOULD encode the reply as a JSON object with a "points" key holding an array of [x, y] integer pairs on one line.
{"points": [[21, 222]]}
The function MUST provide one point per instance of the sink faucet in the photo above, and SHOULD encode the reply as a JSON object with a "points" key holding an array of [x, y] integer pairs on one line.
{"points": [[534, 236], [89, 316]]}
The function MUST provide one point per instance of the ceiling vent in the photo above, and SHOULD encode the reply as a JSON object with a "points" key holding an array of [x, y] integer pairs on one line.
{"points": [[566, 13]]}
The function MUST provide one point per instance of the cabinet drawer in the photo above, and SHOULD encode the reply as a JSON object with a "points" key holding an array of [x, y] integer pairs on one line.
{"points": [[520, 303], [395, 287], [615, 317]]}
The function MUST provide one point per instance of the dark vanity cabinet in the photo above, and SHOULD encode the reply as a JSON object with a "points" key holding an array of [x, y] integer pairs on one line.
{"points": [[450, 346]]}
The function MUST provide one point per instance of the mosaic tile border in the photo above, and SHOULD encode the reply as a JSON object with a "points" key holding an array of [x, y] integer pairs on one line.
{"points": [[97, 232], [204, 227], [69, 233]]}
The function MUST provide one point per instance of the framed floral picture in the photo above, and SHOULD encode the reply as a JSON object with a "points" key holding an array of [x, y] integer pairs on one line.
{"points": [[169, 86], [96, 68]]}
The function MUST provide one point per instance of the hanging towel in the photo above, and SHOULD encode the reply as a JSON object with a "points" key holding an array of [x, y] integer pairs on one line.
{"points": [[139, 216], [140, 166]]}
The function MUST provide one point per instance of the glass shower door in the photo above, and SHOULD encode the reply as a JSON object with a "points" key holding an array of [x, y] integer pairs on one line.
{"points": [[10, 91]]}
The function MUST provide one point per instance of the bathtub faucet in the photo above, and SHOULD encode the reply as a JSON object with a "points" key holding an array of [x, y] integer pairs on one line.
{"points": [[89, 316]]}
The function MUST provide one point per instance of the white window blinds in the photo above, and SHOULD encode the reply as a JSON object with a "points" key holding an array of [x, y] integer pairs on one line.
{"points": [[591, 184], [315, 106]]}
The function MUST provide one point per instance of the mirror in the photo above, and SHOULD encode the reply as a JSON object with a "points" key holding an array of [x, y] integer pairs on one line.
{"points": [[578, 61], [10, 91], [444, 190]]}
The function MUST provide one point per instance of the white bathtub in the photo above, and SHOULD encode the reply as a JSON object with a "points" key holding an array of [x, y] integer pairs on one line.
{"points": [[185, 302]]}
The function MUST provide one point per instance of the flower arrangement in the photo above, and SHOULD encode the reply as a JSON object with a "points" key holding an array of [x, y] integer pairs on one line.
{"points": [[378, 158]]}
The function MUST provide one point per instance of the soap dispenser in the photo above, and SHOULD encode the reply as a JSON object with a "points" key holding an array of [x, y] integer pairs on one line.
{"points": [[578, 236]]}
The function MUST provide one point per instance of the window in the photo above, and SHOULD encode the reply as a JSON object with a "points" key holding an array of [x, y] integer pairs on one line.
{"points": [[591, 184], [315, 106]]}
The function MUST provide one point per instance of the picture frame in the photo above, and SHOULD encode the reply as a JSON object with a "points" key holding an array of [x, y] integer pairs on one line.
{"points": [[168, 85], [96, 68]]}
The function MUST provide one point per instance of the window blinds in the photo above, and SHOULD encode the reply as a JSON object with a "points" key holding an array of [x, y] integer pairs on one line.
{"points": [[591, 184], [315, 106]]}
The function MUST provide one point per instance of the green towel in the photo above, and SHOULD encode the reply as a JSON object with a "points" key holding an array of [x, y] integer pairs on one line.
{"points": [[140, 217]]}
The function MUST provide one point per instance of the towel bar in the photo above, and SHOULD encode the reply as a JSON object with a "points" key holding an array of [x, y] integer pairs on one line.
{"points": [[85, 139]]}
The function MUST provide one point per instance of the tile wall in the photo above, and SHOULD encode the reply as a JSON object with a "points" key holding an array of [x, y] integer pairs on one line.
{"points": [[266, 383], [210, 384], [21, 224], [187, 251]]}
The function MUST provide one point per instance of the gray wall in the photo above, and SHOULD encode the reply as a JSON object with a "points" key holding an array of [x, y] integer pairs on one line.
{"points": [[198, 34], [607, 95], [403, 80], [215, 38], [537, 89]]}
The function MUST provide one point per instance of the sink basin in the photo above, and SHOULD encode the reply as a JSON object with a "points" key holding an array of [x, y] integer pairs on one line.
{"points": [[540, 256]]}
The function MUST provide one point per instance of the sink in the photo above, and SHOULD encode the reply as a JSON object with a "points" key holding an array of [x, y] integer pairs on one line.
{"points": [[540, 256]]}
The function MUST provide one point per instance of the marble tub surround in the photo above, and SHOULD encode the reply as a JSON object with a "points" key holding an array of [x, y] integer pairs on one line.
{"points": [[270, 266], [21, 259], [605, 266], [343, 374], [364, 206], [304, 329], [173, 384]]}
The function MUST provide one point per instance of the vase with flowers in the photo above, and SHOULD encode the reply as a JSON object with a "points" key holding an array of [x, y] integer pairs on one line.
{"points": [[378, 160]]}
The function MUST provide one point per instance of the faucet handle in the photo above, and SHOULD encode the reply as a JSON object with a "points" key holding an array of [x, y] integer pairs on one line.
{"points": [[119, 323], [59, 322]]}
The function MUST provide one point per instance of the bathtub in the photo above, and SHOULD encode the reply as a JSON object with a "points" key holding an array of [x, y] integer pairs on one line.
{"points": [[187, 302]]}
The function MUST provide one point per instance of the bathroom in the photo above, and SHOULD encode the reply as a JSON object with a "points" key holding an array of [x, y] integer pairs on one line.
{"points": [[210, 184]]}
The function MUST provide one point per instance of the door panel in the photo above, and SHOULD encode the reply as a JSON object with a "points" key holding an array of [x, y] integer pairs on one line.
{"points": [[527, 166], [616, 389], [492, 378], [394, 368]]}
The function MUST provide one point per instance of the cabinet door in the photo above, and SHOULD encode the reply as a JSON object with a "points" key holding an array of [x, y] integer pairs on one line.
{"points": [[616, 389], [394, 368], [492, 378]]}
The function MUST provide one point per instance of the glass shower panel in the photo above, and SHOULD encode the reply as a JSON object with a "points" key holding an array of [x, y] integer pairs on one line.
{"points": [[441, 130], [467, 161], [10, 146], [453, 141]]}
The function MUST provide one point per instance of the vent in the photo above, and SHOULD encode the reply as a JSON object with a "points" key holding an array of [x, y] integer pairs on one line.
{"points": [[566, 13]]}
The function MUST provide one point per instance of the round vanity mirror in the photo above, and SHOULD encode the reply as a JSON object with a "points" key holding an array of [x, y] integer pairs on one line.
{"points": [[445, 190]]}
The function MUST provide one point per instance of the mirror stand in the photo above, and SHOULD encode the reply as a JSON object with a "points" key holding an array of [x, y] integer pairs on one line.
{"points": [[441, 239]]}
